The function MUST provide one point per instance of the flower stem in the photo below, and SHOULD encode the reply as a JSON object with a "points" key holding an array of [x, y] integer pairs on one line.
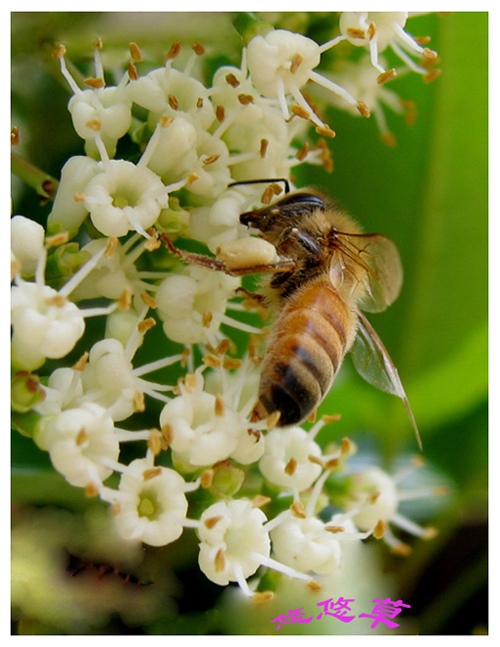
{"points": [[248, 25], [44, 184]]}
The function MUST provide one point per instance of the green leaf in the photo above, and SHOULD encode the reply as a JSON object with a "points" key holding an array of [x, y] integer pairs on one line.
{"points": [[449, 277], [455, 386]]}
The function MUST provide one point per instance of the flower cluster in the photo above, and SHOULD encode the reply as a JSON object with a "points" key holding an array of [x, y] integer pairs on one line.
{"points": [[199, 146]]}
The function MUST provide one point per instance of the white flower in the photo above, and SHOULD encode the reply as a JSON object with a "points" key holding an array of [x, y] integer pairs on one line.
{"points": [[108, 375], [266, 145], [79, 442], [121, 324], [151, 503], [250, 447], [254, 126], [110, 379], [202, 431], [69, 211], [233, 541], [238, 393], [376, 494], [211, 166], [286, 460], [281, 62], [64, 390], [63, 380], [375, 500], [181, 148], [112, 276], [379, 30], [354, 25], [169, 92], [310, 545], [45, 324], [235, 91], [175, 154], [27, 239], [219, 222], [108, 106], [192, 305], [116, 271], [123, 196]]}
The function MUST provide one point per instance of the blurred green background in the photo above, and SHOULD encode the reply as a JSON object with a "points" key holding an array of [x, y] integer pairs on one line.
{"points": [[429, 193]]}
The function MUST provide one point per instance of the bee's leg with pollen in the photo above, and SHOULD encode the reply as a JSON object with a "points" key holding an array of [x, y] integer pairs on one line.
{"points": [[218, 266]]}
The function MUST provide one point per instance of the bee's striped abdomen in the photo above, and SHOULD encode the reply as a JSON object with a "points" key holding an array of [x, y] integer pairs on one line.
{"points": [[306, 348]]}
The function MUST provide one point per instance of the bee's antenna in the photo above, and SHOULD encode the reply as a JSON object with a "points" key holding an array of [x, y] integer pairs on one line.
{"points": [[271, 180]]}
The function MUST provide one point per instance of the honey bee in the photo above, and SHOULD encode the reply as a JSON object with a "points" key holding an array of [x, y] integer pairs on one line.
{"points": [[326, 273]]}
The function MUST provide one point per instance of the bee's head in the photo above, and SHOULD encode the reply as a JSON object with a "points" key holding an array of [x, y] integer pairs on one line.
{"points": [[288, 211]]}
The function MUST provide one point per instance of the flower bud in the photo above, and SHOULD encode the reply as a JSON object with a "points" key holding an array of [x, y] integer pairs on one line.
{"points": [[26, 391]]}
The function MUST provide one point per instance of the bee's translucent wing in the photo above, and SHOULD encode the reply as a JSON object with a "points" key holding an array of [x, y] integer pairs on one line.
{"points": [[373, 363], [379, 256]]}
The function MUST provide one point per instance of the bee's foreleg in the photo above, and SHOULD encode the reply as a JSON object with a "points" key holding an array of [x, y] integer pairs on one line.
{"points": [[193, 258]]}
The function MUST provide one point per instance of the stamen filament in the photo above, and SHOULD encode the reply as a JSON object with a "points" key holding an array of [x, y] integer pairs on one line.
{"points": [[99, 312], [240, 325], [125, 436], [281, 568], [71, 81], [82, 273], [330, 85], [331, 43], [407, 59], [159, 363], [406, 524]]}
